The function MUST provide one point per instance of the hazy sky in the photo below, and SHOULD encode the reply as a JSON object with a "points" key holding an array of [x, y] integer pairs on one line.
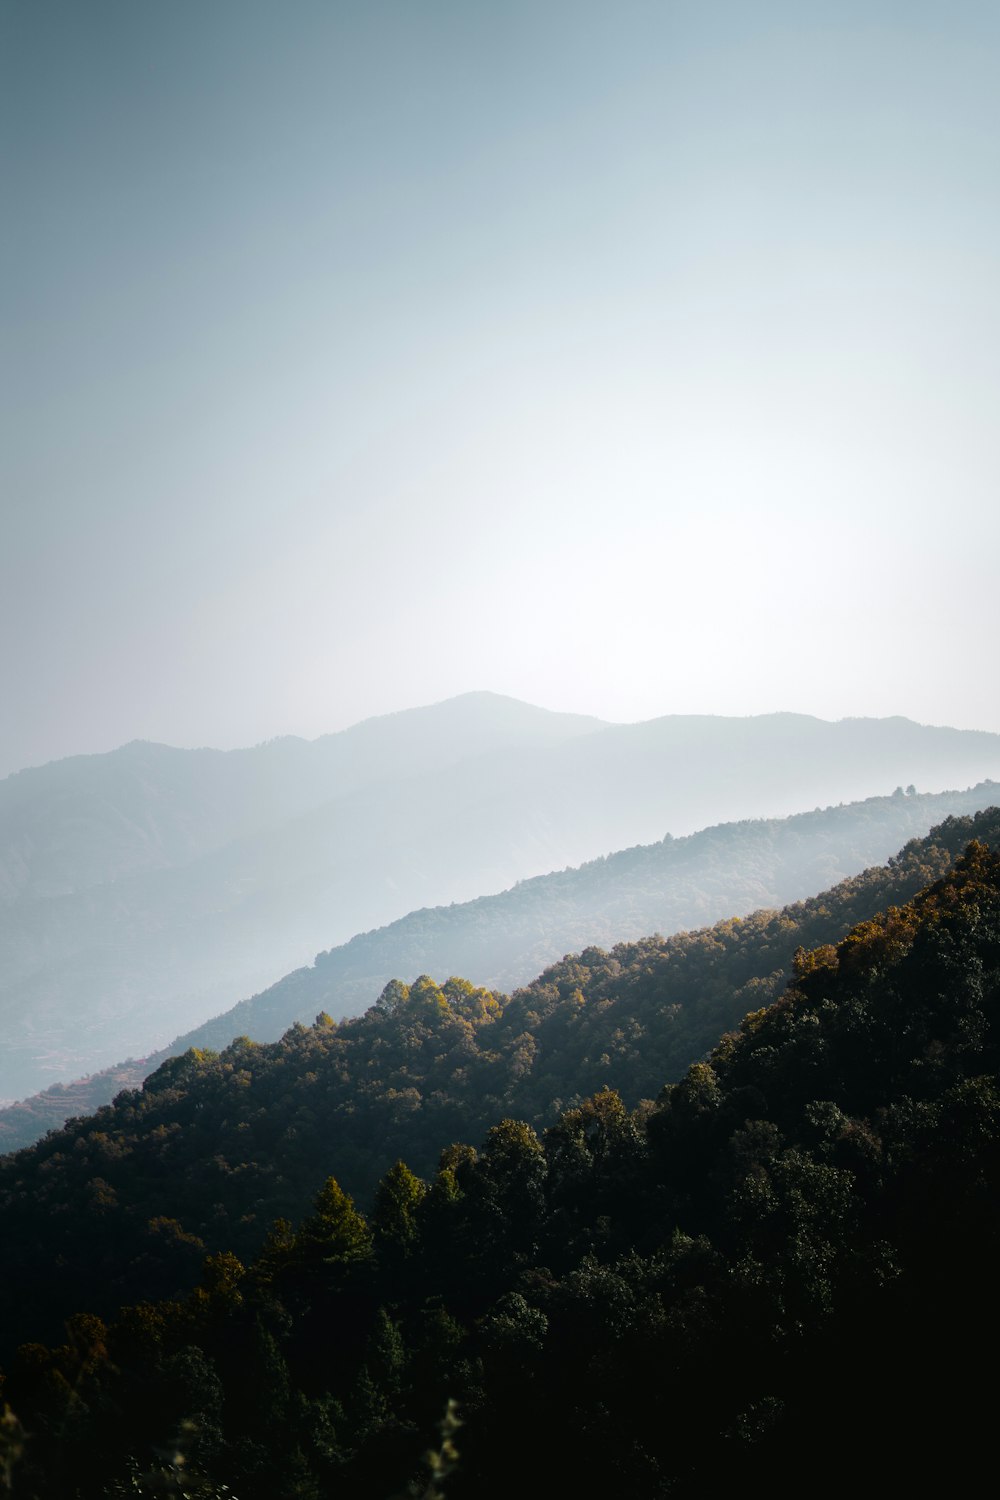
{"points": [[629, 358]]}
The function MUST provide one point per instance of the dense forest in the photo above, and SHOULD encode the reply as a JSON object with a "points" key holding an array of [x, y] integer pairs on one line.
{"points": [[776, 1274], [124, 1204], [502, 941]]}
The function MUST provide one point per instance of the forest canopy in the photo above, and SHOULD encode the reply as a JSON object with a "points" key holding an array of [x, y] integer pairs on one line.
{"points": [[774, 1274]]}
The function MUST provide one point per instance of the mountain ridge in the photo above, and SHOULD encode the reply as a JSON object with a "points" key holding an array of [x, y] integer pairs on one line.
{"points": [[136, 911], [503, 940], [215, 1146]]}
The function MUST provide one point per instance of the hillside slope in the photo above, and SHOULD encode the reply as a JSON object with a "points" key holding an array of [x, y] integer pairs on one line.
{"points": [[213, 1148], [133, 915], [502, 941], [779, 1277], [142, 890]]}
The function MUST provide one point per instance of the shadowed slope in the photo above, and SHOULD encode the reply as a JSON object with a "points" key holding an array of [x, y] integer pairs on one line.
{"points": [[214, 1147]]}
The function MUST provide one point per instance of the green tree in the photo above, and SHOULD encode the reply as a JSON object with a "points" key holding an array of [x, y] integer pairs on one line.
{"points": [[335, 1234], [394, 1213]]}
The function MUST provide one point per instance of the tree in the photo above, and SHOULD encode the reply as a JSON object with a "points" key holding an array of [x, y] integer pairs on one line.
{"points": [[335, 1234], [394, 1215]]}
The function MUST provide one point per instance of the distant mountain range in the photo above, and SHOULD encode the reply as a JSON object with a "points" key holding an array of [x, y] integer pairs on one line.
{"points": [[144, 890], [502, 941]]}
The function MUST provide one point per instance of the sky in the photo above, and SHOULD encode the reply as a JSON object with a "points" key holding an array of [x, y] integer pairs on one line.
{"points": [[627, 358]]}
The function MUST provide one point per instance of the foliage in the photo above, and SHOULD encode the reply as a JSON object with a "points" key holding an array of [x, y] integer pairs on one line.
{"points": [[776, 1276], [500, 940], [123, 1206]]}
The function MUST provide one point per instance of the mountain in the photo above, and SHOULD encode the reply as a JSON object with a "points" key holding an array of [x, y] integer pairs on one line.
{"points": [[93, 819], [778, 1274], [146, 888], [152, 888], [122, 1205], [501, 941]]}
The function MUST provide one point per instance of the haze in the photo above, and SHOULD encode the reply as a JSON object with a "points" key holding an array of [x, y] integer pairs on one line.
{"points": [[631, 360]]}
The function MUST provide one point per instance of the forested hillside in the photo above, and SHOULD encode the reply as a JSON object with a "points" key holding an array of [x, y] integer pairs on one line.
{"points": [[504, 940], [123, 1205], [778, 1276], [145, 893]]}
